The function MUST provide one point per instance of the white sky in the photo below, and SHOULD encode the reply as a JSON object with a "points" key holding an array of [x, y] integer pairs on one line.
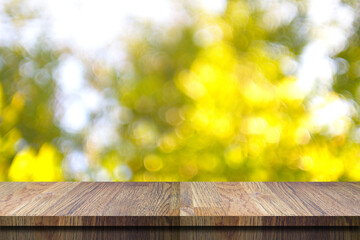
{"points": [[92, 24]]}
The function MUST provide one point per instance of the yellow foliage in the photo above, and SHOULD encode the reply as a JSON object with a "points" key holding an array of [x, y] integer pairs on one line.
{"points": [[322, 164], [153, 163], [29, 166], [214, 99]]}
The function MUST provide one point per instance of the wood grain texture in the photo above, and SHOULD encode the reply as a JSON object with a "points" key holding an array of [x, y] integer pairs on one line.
{"points": [[182, 233], [89, 233], [179, 204], [269, 204], [89, 204]]}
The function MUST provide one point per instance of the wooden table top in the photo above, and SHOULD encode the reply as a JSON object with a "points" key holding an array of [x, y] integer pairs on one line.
{"points": [[179, 204]]}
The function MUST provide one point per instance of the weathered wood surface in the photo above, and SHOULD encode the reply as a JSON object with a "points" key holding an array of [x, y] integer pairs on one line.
{"points": [[179, 204]]}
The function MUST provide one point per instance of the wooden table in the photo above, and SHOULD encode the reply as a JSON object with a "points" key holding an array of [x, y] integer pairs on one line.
{"points": [[186, 210]]}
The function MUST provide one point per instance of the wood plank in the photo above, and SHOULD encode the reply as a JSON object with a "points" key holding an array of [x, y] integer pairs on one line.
{"points": [[270, 233], [92, 204], [179, 204], [88, 233], [14, 195], [270, 204], [181, 233]]}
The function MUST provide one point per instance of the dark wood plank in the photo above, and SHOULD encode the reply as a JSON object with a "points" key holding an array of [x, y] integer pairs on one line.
{"points": [[182, 233], [270, 233], [89, 233]]}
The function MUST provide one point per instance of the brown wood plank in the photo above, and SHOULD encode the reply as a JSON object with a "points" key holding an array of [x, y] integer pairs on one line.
{"points": [[179, 204], [92, 204], [181, 233], [15, 195], [270, 204]]}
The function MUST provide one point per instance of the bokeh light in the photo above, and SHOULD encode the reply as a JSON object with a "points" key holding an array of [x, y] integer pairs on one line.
{"points": [[237, 90]]}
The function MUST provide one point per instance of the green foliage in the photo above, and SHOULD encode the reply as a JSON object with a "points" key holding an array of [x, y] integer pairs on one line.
{"points": [[206, 101]]}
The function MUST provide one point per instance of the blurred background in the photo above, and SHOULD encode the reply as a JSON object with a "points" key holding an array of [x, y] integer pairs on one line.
{"points": [[161, 90]]}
